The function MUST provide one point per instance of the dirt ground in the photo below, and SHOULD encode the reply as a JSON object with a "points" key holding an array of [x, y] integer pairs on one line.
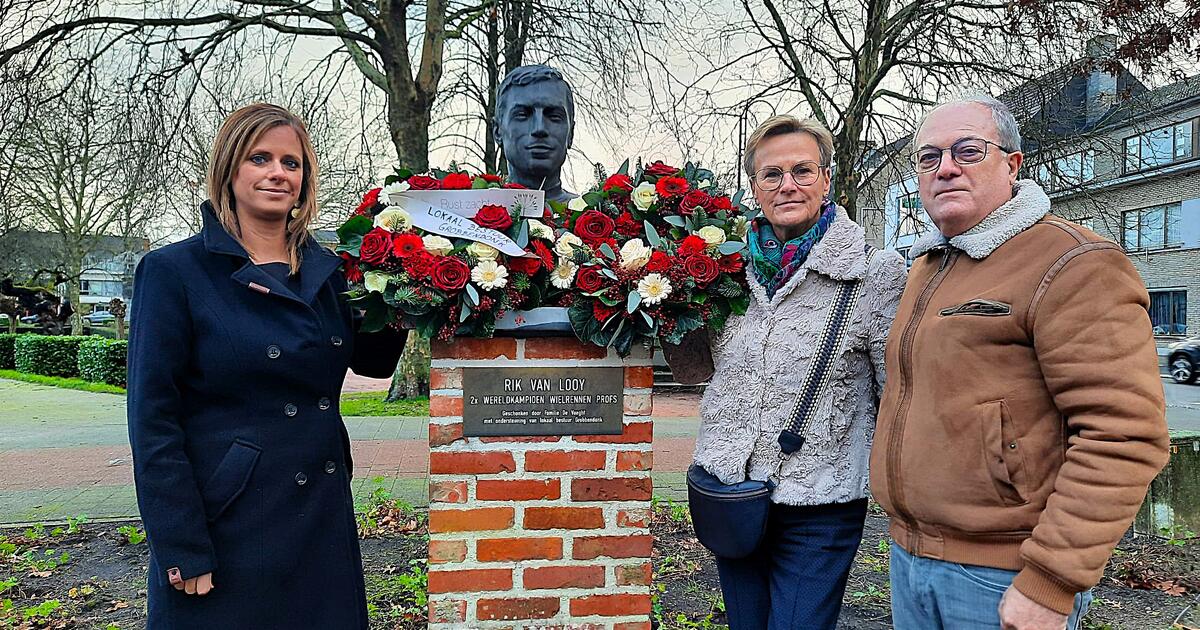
{"points": [[92, 575]]}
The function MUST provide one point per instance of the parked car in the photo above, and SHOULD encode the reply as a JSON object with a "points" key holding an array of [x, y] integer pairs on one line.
{"points": [[99, 317], [1183, 360]]}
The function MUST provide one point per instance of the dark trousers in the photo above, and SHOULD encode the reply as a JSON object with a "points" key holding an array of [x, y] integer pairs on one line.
{"points": [[796, 579]]}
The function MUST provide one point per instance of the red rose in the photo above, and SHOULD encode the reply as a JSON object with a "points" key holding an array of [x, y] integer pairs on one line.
{"points": [[494, 217], [369, 201], [376, 245], [491, 179], [671, 186], [419, 264], [350, 268], [702, 268], [514, 185], [619, 182], [456, 181], [721, 203], [695, 200], [423, 182], [589, 279], [592, 226], [407, 244], [527, 266], [691, 245], [658, 169], [544, 254], [449, 273], [732, 263], [602, 311], [658, 262], [628, 226]]}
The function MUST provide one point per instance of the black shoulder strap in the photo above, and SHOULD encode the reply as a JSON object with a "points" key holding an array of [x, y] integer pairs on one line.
{"points": [[828, 348]]}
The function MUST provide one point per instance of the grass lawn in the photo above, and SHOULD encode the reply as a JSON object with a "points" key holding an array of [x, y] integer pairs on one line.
{"points": [[371, 404], [66, 383]]}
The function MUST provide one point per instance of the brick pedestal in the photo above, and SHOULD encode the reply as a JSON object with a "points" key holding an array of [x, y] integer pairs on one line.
{"points": [[538, 532]]}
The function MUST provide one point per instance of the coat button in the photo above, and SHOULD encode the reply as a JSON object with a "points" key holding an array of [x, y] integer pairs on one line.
{"points": [[324, 403], [273, 351], [336, 341], [301, 479], [330, 467], [290, 409]]}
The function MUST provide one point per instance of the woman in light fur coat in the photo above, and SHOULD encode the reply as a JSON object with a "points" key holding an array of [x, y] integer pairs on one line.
{"points": [[802, 248]]}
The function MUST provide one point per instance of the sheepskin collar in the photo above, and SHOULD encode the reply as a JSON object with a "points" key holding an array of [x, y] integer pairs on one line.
{"points": [[1027, 206]]}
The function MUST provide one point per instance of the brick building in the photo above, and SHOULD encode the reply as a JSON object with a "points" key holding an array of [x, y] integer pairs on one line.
{"points": [[1114, 155]]}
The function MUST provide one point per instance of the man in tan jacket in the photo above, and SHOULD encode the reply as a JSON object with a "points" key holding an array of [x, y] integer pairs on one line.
{"points": [[1023, 415]]}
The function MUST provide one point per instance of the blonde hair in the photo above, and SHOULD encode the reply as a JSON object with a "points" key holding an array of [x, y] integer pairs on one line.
{"points": [[779, 125], [237, 136]]}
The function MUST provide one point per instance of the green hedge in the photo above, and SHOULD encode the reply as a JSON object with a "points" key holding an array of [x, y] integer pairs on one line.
{"points": [[103, 360], [48, 355], [7, 341]]}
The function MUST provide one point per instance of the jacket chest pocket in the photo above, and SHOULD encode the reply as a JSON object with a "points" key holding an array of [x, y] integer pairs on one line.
{"points": [[1003, 453]]}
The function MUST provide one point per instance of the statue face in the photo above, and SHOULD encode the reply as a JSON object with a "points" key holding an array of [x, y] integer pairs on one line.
{"points": [[535, 128]]}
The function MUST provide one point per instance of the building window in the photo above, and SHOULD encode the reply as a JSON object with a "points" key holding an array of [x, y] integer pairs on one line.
{"points": [[1067, 171], [1151, 228], [1168, 312], [1087, 222], [908, 215], [1158, 147], [85, 287]]}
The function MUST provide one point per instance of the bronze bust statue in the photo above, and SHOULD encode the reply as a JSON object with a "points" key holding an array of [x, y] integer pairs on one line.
{"points": [[535, 124]]}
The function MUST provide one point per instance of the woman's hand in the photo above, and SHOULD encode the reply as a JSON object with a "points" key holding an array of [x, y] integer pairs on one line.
{"points": [[199, 585]]}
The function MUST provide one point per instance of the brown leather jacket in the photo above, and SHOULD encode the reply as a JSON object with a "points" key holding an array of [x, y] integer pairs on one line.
{"points": [[1023, 416]]}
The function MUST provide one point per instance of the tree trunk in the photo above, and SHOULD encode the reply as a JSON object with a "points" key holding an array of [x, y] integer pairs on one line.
{"points": [[411, 378], [846, 175], [491, 154]]}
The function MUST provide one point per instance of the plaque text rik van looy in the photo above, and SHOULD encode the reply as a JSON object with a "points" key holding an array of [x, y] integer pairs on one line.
{"points": [[543, 401]]}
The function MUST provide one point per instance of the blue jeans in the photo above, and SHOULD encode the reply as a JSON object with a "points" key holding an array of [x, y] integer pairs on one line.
{"points": [[930, 594], [795, 580]]}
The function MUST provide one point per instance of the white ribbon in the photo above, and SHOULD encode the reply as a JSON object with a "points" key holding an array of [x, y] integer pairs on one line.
{"points": [[449, 212]]}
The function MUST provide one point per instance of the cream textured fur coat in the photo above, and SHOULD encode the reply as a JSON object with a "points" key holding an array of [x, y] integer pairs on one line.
{"points": [[763, 356]]}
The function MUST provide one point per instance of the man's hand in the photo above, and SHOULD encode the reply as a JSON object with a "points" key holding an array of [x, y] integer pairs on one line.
{"points": [[199, 585], [1018, 612]]}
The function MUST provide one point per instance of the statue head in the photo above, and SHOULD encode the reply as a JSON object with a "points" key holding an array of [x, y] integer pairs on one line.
{"points": [[535, 123]]}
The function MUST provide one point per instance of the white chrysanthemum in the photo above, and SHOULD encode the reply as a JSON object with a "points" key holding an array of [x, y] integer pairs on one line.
{"points": [[577, 205], [566, 245], [741, 227], [393, 220], [375, 281], [644, 195], [490, 275], [564, 274], [634, 254], [385, 195], [713, 236], [537, 229], [653, 288], [483, 251], [437, 245]]}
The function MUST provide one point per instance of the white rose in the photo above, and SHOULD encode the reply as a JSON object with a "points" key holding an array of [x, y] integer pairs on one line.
{"points": [[713, 236], [567, 244], [577, 205], [375, 281], [644, 195], [385, 195], [537, 229], [634, 254], [393, 220], [654, 288], [482, 251], [437, 245], [490, 275], [564, 274]]}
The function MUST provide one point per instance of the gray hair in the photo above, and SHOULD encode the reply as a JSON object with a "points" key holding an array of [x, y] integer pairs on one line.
{"points": [[1006, 124]]}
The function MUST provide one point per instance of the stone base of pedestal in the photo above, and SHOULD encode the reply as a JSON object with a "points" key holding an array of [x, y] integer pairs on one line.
{"points": [[538, 531]]}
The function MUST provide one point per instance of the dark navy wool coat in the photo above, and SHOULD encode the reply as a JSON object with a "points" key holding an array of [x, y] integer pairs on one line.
{"points": [[241, 460]]}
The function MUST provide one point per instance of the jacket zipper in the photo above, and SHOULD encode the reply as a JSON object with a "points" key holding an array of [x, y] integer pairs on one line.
{"points": [[897, 435]]}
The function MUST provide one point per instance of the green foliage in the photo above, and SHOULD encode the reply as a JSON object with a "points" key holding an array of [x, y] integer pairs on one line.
{"points": [[392, 599], [65, 383], [375, 404], [131, 534], [48, 355], [42, 611], [103, 360], [7, 347], [48, 561]]}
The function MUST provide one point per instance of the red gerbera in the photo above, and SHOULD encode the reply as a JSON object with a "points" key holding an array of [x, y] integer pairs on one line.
{"points": [[544, 253], [732, 263], [407, 244], [350, 265], [671, 186]]}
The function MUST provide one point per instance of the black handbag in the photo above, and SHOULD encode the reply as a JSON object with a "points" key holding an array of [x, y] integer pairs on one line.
{"points": [[731, 519]]}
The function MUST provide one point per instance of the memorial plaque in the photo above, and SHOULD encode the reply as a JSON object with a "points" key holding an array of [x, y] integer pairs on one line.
{"points": [[543, 401]]}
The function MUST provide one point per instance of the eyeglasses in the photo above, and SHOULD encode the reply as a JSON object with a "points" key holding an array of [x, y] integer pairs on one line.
{"points": [[803, 173], [964, 152]]}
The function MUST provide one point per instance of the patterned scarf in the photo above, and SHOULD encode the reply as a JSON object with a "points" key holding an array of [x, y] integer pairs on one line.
{"points": [[774, 262]]}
